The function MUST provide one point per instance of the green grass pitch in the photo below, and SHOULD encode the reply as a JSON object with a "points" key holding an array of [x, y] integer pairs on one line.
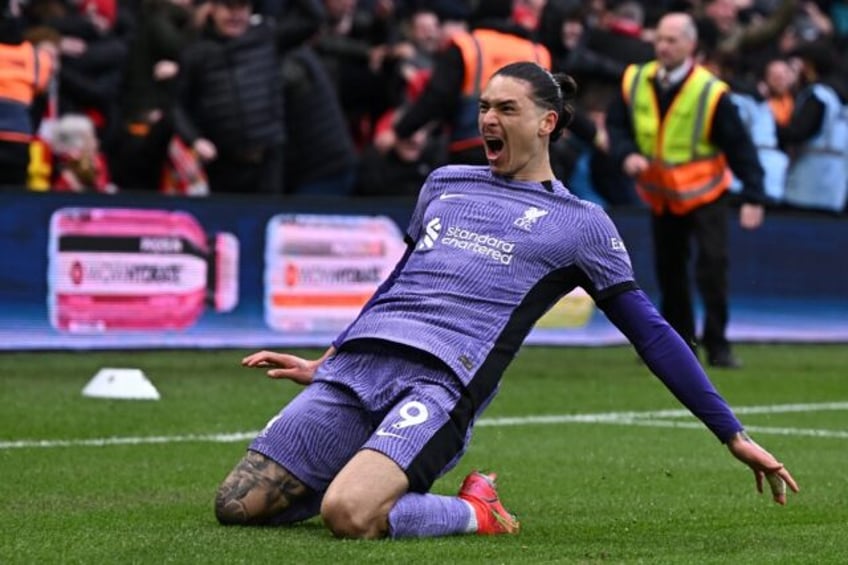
{"points": [[603, 488]]}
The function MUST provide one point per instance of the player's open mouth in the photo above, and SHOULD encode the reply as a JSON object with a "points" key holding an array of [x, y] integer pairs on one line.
{"points": [[494, 147]]}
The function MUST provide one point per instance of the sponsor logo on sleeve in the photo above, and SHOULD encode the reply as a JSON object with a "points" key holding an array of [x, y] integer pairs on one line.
{"points": [[617, 244]]}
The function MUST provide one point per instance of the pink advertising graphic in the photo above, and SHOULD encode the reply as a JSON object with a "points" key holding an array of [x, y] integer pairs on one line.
{"points": [[125, 269]]}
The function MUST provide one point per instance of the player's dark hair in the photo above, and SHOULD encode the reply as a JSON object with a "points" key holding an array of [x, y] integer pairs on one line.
{"points": [[551, 91]]}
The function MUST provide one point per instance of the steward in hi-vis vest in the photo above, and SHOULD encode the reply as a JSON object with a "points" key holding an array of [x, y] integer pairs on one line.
{"points": [[25, 72], [673, 128], [686, 169]]}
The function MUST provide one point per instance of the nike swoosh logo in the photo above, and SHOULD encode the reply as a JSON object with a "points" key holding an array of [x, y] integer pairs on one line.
{"points": [[383, 433], [446, 195]]}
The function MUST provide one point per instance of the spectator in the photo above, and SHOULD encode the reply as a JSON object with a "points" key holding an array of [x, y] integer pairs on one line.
{"points": [[321, 158], [596, 55], [817, 134], [564, 33], [811, 23], [25, 72], [747, 44], [597, 65], [354, 45], [778, 87], [838, 13], [622, 36], [164, 29], [79, 165], [453, 17], [422, 40], [585, 135], [459, 75], [402, 170], [93, 51], [735, 36], [679, 160], [230, 94], [528, 13], [413, 58], [760, 124]]}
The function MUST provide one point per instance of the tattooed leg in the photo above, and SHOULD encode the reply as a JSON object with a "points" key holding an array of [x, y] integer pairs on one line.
{"points": [[256, 491]]}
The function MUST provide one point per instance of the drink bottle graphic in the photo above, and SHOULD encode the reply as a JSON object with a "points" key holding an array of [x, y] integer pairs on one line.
{"points": [[136, 269], [321, 269]]}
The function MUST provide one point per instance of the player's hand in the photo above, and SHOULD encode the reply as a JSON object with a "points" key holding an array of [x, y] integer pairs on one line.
{"points": [[764, 465], [282, 366]]}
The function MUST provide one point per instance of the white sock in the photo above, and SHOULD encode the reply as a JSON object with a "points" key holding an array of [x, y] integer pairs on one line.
{"points": [[472, 521]]}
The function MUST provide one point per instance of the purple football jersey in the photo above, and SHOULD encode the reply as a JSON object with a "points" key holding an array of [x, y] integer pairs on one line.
{"points": [[491, 256]]}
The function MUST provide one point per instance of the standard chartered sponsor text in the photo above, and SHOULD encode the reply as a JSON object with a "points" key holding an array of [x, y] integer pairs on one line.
{"points": [[480, 243]]}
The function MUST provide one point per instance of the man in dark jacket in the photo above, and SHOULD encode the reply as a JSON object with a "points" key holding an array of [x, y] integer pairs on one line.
{"points": [[230, 93], [164, 29], [321, 157]]}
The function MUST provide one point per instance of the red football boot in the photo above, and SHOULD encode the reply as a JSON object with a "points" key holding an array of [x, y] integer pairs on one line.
{"points": [[492, 518]]}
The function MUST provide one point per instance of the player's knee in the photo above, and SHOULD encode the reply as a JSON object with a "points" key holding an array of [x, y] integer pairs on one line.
{"points": [[228, 510], [347, 518]]}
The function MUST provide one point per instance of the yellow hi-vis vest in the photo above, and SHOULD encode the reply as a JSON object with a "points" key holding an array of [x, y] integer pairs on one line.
{"points": [[686, 170]]}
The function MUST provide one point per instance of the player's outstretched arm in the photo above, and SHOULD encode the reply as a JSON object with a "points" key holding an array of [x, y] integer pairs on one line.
{"points": [[668, 356], [285, 365], [764, 465]]}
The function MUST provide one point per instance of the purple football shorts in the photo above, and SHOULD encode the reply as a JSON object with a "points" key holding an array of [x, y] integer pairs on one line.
{"points": [[399, 401]]}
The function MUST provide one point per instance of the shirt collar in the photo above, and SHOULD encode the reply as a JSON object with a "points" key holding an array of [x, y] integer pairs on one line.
{"points": [[676, 75]]}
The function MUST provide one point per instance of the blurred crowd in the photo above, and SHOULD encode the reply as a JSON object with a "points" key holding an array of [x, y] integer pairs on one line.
{"points": [[334, 97]]}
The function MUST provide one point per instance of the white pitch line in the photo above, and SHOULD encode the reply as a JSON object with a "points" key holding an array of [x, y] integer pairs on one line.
{"points": [[618, 417], [807, 432], [656, 418], [140, 440]]}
